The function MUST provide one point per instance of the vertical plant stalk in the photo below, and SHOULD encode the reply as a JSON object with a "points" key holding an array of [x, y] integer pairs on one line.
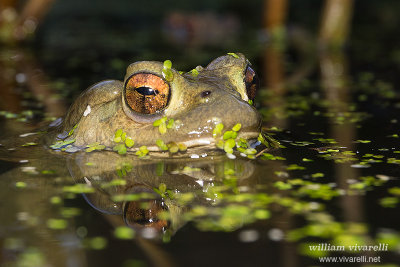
{"points": [[275, 13], [335, 23]]}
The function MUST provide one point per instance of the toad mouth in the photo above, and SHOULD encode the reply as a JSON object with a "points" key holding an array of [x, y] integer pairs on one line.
{"points": [[208, 142]]}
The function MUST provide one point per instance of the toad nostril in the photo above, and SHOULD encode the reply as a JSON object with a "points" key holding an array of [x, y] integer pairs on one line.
{"points": [[205, 93]]}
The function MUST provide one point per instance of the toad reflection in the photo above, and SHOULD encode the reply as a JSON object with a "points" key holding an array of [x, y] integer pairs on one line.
{"points": [[149, 195]]}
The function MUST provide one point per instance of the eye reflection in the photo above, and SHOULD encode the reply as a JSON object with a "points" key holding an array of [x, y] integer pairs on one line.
{"points": [[145, 213]]}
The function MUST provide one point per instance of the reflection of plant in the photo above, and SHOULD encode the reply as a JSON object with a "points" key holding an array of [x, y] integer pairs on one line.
{"points": [[124, 168]]}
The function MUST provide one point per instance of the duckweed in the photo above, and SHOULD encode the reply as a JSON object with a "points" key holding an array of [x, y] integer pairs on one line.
{"points": [[394, 191], [31, 257], [20, 184], [182, 147], [56, 200], [120, 148], [57, 224], [163, 191], [129, 142], [218, 130], [282, 185], [95, 146], [48, 172], [294, 167], [237, 127], [267, 141], [389, 202], [116, 182], [142, 152], [70, 212], [96, 243], [230, 135], [62, 144], [123, 141], [173, 147], [131, 197], [78, 189], [233, 55], [229, 145], [194, 72], [317, 175], [30, 144], [363, 141], [163, 124], [124, 232], [268, 156], [118, 135], [167, 72], [71, 132], [123, 169], [160, 143], [170, 124]]}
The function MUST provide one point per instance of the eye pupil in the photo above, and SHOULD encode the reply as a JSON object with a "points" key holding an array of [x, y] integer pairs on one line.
{"points": [[144, 90]]}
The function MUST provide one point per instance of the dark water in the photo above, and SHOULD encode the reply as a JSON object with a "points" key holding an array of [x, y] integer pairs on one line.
{"points": [[331, 188]]}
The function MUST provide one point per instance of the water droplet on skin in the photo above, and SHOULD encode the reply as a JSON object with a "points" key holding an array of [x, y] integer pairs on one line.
{"points": [[87, 111]]}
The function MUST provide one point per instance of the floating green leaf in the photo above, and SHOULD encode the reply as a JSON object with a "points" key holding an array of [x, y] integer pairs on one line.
{"points": [[57, 224], [61, 144], [173, 147], [230, 135], [20, 184], [129, 142], [194, 72], [124, 232], [72, 130], [120, 148], [233, 55], [229, 145], [237, 127], [160, 143], [143, 151], [167, 64], [218, 129], [30, 144], [171, 123]]}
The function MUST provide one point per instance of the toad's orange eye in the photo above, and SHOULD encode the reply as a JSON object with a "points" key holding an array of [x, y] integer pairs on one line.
{"points": [[146, 93], [252, 82]]}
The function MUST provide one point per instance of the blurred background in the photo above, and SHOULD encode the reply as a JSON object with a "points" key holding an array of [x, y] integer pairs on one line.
{"points": [[77, 43]]}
